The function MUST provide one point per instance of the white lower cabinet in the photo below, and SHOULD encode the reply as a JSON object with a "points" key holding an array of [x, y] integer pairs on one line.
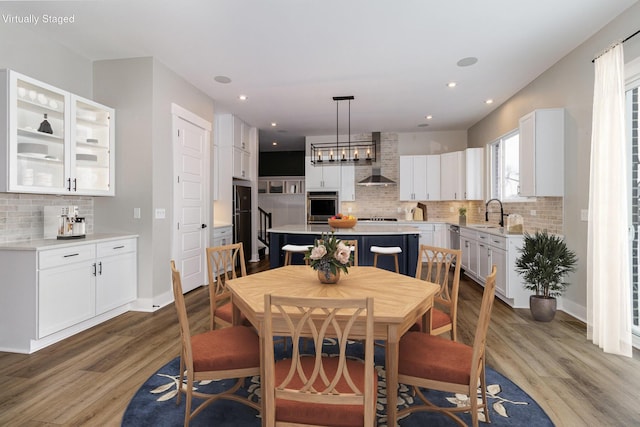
{"points": [[51, 290], [116, 274], [481, 250], [66, 291]]}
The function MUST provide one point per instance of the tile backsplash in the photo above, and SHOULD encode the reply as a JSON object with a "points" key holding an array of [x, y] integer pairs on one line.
{"points": [[21, 215]]}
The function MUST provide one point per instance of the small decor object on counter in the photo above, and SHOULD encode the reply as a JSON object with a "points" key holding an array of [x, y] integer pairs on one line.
{"points": [[342, 221], [515, 224], [543, 263], [462, 216], [45, 126], [329, 256]]}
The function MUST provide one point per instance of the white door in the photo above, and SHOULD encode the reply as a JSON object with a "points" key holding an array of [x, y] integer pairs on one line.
{"points": [[190, 199]]}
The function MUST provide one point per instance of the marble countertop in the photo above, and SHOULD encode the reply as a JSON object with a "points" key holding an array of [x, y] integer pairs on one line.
{"points": [[40, 244], [386, 228]]}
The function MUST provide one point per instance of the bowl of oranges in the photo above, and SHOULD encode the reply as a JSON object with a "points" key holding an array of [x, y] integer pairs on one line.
{"points": [[342, 221]]}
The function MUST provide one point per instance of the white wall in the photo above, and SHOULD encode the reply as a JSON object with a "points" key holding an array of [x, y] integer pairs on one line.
{"points": [[568, 84]]}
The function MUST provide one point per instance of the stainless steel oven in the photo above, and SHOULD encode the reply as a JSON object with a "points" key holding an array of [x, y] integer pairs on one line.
{"points": [[321, 205]]}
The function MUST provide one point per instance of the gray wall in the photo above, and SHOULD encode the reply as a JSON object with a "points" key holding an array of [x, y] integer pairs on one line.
{"points": [[30, 54], [568, 84], [142, 91]]}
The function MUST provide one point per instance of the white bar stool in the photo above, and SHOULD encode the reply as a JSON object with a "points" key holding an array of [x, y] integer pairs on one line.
{"points": [[386, 250], [289, 250]]}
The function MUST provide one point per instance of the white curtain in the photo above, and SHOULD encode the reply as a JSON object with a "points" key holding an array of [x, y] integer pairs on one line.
{"points": [[608, 276]]}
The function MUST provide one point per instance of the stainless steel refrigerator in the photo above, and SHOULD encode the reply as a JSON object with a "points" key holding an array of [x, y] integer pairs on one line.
{"points": [[242, 218]]}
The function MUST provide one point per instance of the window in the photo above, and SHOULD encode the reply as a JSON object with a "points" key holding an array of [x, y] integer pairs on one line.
{"points": [[633, 85], [505, 166]]}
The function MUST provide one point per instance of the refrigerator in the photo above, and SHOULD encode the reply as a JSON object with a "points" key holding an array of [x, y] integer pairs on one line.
{"points": [[242, 218]]}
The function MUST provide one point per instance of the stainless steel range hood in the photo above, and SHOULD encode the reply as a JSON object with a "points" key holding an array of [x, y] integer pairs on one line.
{"points": [[376, 178]]}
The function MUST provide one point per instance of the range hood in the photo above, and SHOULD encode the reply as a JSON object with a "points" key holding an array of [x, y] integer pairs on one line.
{"points": [[376, 178]]}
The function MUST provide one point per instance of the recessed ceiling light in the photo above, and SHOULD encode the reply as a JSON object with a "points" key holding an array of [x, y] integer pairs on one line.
{"points": [[274, 124], [429, 117], [423, 125], [243, 97], [489, 101], [222, 79], [465, 62], [451, 84], [274, 143]]}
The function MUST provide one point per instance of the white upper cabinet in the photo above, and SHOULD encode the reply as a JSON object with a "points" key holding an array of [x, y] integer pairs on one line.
{"points": [[474, 160], [54, 142], [433, 177], [452, 176], [321, 177], [237, 135], [347, 183], [413, 177], [542, 153]]}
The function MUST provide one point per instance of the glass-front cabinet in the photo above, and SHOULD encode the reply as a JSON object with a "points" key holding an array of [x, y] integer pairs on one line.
{"points": [[91, 165], [55, 142]]}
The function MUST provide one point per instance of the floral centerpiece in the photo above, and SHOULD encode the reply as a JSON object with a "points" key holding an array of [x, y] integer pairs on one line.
{"points": [[329, 256]]}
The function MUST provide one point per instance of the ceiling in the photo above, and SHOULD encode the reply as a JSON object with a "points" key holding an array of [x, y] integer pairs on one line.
{"points": [[290, 57]]}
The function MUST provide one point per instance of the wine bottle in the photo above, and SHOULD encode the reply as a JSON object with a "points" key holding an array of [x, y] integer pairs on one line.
{"points": [[45, 127]]}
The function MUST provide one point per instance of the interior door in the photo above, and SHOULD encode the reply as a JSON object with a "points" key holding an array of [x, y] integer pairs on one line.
{"points": [[191, 154]]}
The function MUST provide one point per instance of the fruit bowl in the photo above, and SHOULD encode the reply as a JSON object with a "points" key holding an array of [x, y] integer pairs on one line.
{"points": [[343, 222]]}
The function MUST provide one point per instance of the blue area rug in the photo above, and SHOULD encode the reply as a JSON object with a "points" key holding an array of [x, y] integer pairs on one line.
{"points": [[155, 402]]}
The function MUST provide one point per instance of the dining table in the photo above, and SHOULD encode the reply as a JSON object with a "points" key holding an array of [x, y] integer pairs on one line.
{"points": [[399, 301]]}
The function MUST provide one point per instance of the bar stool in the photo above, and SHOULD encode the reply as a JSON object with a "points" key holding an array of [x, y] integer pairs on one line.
{"points": [[386, 250], [289, 250]]}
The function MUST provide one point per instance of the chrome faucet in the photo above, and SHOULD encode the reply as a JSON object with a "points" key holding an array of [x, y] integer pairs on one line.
{"points": [[502, 214]]}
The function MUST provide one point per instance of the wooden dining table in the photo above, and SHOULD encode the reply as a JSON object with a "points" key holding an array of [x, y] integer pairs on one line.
{"points": [[399, 301]]}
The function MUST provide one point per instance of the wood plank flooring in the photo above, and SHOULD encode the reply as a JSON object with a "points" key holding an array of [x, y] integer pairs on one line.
{"points": [[88, 380]]}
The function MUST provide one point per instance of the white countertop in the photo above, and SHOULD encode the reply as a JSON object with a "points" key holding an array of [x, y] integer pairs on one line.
{"points": [[39, 244], [380, 228], [491, 229]]}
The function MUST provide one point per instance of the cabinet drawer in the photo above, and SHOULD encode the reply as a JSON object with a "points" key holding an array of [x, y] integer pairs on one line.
{"points": [[498, 241], [65, 256], [116, 247], [466, 232], [222, 232]]}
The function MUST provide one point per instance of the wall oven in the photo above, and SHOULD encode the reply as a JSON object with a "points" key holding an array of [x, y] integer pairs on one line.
{"points": [[321, 205]]}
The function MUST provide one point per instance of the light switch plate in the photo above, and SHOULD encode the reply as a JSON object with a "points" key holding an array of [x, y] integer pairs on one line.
{"points": [[136, 213], [584, 214], [160, 213]]}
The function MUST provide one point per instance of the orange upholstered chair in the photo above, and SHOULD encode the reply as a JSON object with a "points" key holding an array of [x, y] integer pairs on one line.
{"points": [[221, 266], [227, 353], [432, 362], [441, 266], [315, 389]]}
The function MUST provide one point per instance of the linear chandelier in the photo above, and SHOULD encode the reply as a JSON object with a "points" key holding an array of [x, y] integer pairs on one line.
{"points": [[343, 151]]}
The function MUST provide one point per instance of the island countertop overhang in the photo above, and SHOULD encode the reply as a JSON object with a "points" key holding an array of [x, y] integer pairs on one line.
{"points": [[357, 230]]}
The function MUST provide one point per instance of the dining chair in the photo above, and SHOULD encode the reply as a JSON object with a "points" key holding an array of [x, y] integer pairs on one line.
{"points": [[318, 389], [221, 266], [220, 354], [353, 245], [441, 266], [432, 362]]}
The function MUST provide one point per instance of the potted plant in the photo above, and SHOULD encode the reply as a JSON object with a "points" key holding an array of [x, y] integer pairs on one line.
{"points": [[462, 216], [543, 263]]}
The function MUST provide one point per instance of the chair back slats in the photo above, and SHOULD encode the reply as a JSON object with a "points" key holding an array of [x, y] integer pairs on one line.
{"points": [[183, 319], [317, 319], [482, 328], [221, 266]]}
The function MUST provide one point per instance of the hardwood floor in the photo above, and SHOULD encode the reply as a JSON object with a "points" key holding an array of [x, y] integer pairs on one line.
{"points": [[89, 379]]}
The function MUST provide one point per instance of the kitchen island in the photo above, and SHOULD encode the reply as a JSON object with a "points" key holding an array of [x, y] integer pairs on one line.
{"points": [[367, 235]]}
